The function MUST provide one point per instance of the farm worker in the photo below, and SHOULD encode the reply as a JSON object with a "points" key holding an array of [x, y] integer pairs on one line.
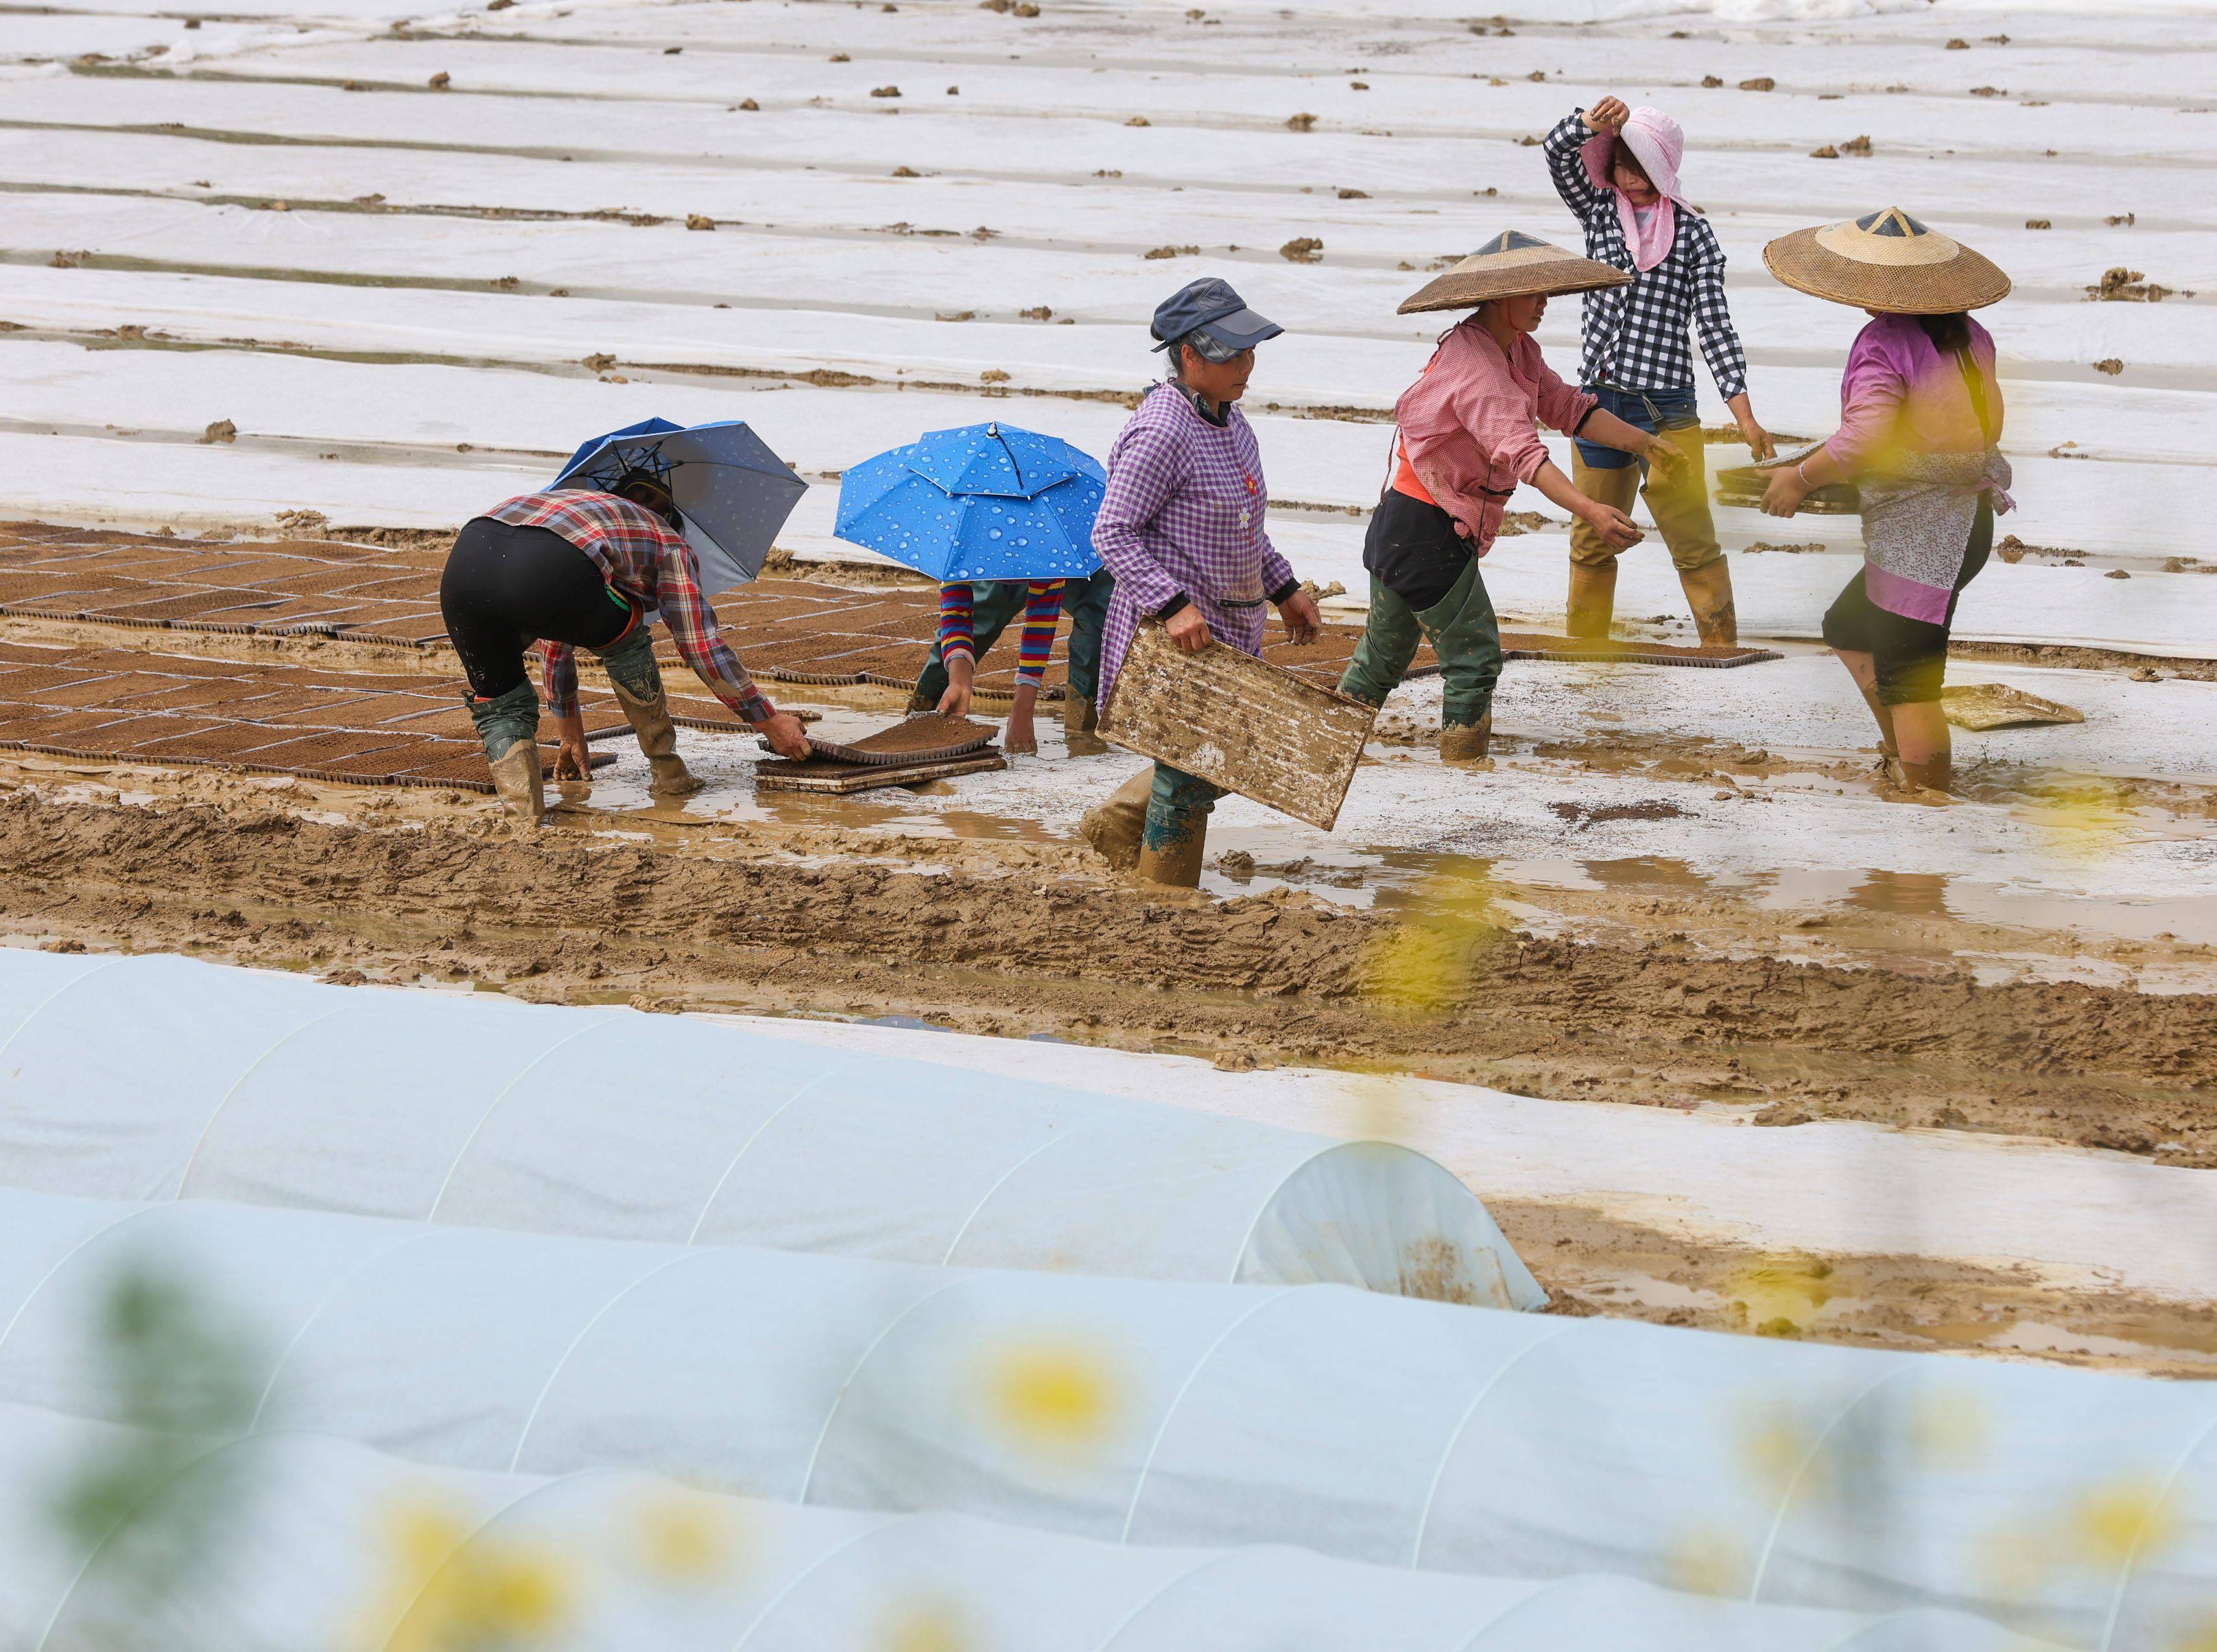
{"points": [[582, 569], [1181, 529], [972, 615], [1616, 169], [1463, 439], [1920, 419]]}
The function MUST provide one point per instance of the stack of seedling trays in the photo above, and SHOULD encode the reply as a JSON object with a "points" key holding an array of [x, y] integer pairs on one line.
{"points": [[929, 746]]}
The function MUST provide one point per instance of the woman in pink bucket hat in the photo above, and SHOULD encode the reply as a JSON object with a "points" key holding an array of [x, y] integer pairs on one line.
{"points": [[1617, 170]]}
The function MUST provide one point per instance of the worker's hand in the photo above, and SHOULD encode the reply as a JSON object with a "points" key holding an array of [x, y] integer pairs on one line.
{"points": [[1787, 491], [1298, 611], [1667, 462], [1612, 524], [572, 761], [785, 734], [1188, 630], [962, 672], [1757, 439], [1608, 116]]}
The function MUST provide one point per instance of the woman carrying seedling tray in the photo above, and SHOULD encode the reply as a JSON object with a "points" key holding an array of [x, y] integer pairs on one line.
{"points": [[1181, 528], [1920, 419], [1463, 440]]}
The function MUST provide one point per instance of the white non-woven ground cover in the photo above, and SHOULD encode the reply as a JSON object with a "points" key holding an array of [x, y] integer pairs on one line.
{"points": [[314, 1542], [1831, 1188], [2071, 1505], [164, 1078]]}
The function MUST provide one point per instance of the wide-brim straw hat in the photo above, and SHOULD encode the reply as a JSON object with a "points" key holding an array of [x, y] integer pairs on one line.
{"points": [[1512, 264], [1887, 261]]}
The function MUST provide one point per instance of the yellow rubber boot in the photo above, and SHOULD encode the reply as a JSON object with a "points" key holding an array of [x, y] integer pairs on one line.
{"points": [[521, 784], [1709, 594], [1177, 866], [1114, 827], [1592, 600], [649, 718]]}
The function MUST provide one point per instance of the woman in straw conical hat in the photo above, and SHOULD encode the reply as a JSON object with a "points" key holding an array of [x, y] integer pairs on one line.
{"points": [[1920, 419], [1463, 440]]}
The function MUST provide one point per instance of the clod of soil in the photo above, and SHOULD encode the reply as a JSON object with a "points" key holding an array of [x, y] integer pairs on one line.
{"points": [[1760, 83], [1590, 814], [699, 221], [1301, 123], [222, 431], [1302, 250]]}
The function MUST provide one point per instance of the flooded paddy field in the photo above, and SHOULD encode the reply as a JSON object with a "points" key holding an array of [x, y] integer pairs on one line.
{"points": [[369, 272]]}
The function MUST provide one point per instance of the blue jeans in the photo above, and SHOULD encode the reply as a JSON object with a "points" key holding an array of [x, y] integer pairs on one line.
{"points": [[1651, 410]]}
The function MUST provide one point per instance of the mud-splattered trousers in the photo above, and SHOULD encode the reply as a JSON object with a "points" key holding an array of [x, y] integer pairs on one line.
{"points": [[1424, 585]]}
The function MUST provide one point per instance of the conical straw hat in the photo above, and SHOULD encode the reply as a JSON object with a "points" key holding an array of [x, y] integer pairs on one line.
{"points": [[1887, 261], [1511, 264]]}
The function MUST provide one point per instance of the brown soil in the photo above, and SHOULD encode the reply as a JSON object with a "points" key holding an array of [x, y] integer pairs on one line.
{"points": [[1593, 1262], [912, 739], [1019, 938]]}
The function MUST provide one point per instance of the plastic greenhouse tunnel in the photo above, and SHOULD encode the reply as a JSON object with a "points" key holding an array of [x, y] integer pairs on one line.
{"points": [[163, 1078], [2071, 1506]]}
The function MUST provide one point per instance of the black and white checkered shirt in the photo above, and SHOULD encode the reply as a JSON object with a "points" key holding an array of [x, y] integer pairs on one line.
{"points": [[1636, 335]]}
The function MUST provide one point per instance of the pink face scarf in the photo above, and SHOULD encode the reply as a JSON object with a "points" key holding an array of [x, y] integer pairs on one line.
{"points": [[1657, 145]]}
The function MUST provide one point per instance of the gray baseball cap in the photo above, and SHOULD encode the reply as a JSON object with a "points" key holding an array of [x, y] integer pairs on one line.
{"points": [[1209, 308]]}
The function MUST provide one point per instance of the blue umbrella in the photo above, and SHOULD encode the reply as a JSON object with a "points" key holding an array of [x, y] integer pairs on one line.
{"points": [[985, 501], [733, 493]]}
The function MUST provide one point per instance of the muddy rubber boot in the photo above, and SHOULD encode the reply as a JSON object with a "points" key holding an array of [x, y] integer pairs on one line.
{"points": [[1592, 600], [1114, 827], [1466, 742], [1078, 716], [1175, 866], [518, 778], [657, 737], [1709, 594]]}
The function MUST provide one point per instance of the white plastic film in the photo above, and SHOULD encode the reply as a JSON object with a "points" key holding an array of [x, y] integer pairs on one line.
{"points": [[2061, 1503], [166, 1078]]}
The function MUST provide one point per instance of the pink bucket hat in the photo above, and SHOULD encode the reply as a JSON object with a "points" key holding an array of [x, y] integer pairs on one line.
{"points": [[1658, 142]]}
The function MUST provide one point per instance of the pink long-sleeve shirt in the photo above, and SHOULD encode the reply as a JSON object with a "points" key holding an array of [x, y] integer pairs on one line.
{"points": [[1466, 435], [1899, 393]]}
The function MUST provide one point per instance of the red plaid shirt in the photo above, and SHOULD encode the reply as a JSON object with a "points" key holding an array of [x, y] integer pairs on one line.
{"points": [[652, 568]]}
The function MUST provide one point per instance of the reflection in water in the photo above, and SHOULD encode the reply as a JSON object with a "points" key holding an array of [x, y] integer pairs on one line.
{"points": [[1908, 894]]}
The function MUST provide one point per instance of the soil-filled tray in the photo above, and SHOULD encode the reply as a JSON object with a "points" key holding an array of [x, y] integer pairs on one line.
{"points": [[1248, 725], [926, 737], [1744, 485], [839, 779]]}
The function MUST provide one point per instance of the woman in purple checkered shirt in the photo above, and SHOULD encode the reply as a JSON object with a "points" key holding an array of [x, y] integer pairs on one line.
{"points": [[1181, 526]]}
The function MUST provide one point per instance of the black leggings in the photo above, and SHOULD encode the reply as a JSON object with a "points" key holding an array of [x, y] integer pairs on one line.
{"points": [[507, 587], [1911, 655]]}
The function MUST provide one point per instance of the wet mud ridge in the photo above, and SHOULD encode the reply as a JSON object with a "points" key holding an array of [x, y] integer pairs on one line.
{"points": [[1050, 947], [357, 728]]}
